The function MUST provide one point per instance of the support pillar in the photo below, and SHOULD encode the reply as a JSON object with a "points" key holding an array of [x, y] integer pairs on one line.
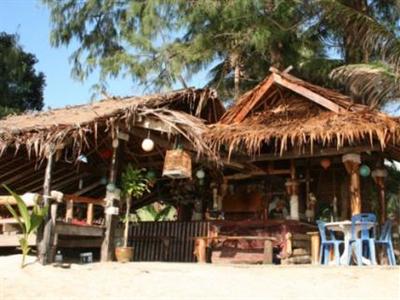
{"points": [[45, 232], [107, 247], [379, 176], [352, 163], [292, 188]]}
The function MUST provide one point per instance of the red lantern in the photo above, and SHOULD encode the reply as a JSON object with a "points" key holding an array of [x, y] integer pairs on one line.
{"points": [[325, 163]]}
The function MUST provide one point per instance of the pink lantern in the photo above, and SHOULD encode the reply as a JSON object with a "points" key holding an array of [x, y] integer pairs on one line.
{"points": [[325, 163]]}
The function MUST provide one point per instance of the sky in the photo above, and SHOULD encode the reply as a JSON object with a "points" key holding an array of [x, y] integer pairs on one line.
{"points": [[30, 19]]}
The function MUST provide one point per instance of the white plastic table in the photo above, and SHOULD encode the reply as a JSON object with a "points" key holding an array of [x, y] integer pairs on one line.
{"points": [[345, 227]]}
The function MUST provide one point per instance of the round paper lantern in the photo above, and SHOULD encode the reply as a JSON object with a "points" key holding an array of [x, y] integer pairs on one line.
{"points": [[365, 171], [200, 174], [147, 145], [325, 163], [111, 187], [103, 180], [151, 175]]}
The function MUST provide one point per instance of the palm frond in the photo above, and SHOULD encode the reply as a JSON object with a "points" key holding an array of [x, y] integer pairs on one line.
{"points": [[375, 84], [372, 35]]}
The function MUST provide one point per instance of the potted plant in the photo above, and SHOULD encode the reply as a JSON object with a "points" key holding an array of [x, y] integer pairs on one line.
{"points": [[134, 184]]}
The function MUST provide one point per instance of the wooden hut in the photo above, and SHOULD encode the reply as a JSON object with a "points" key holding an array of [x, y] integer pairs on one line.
{"points": [[79, 152], [305, 147]]}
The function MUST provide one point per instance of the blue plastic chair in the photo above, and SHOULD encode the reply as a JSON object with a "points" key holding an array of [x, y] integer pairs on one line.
{"points": [[326, 245], [365, 242], [385, 240]]}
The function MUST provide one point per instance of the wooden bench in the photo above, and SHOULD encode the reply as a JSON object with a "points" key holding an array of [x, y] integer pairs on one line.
{"points": [[201, 243]]}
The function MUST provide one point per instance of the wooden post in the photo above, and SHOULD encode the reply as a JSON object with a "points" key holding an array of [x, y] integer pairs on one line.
{"points": [[268, 252], [352, 163], [89, 214], [45, 236], [107, 246], [315, 243], [379, 176], [200, 250], [69, 213]]}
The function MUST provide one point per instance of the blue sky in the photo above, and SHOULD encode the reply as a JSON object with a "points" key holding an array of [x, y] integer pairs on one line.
{"points": [[30, 19]]}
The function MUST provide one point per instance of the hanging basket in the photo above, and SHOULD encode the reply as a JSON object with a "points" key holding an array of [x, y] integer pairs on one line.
{"points": [[177, 164]]}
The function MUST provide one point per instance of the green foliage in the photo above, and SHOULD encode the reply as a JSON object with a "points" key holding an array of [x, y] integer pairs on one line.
{"points": [[149, 213], [163, 42], [393, 191], [28, 222], [21, 87], [134, 184]]}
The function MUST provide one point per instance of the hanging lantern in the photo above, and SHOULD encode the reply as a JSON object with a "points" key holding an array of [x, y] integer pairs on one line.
{"points": [[325, 163], [111, 187], [103, 180], [200, 174], [148, 144], [177, 164], [365, 171], [151, 175]]}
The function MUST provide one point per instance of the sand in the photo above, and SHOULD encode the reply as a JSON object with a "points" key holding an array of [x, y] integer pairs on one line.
{"points": [[195, 281]]}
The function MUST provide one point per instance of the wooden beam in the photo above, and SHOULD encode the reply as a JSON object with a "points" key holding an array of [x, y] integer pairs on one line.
{"points": [[86, 243], [78, 230], [308, 154], [82, 199], [307, 93], [154, 124], [107, 246], [44, 238], [259, 94]]}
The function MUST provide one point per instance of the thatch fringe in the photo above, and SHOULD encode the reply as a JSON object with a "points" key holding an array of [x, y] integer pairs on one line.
{"points": [[72, 126], [280, 119]]}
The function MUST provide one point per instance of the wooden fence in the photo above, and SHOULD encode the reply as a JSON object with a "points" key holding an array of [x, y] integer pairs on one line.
{"points": [[169, 241]]}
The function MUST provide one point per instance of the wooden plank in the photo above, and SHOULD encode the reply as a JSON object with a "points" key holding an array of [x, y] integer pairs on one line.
{"points": [[255, 99], [307, 93], [78, 230], [85, 243], [82, 199]]}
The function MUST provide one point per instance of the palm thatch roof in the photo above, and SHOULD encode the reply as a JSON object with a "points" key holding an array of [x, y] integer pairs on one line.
{"points": [[184, 112], [284, 112]]}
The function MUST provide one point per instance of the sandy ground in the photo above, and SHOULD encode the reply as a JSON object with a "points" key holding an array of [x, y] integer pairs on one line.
{"points": [[194, 281]]}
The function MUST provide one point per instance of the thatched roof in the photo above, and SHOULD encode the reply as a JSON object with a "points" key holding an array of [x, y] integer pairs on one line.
{"points": [[284, 112], [182, 112]]}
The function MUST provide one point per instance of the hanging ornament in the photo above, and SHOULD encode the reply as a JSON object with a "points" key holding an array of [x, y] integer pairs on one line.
{"points": [[111, 187], [365, 171], [200, 174], [325, 163], [151, 175], [148, 144]]}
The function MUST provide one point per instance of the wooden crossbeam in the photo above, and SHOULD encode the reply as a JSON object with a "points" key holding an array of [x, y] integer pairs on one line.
{"points": [[255, 99], [307, 93]]}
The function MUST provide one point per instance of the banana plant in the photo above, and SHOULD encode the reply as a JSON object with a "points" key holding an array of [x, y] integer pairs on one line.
{"points": [[29, 222]]}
